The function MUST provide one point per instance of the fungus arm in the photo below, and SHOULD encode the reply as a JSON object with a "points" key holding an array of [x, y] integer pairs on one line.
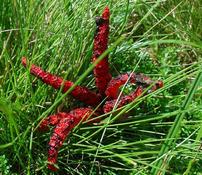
{"points": [[81, 93], [101, 70], [112, 90], [139, 79], [124, 100], [62, 130], [51, 120]]}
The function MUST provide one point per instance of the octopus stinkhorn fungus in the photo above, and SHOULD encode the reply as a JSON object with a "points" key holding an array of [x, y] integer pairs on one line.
{"points": [[108, 90]]}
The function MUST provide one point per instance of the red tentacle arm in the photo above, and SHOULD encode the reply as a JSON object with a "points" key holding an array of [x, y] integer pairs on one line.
{"points": [[158, 84], [101, 70], [142, 79], [81, 93], [112, 90], [139, 79], [146, 81], [62, 130], [51, 120], [109, 105]]}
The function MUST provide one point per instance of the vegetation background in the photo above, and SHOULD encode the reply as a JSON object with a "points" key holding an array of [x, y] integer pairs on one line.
{"points": [[162, 39]]}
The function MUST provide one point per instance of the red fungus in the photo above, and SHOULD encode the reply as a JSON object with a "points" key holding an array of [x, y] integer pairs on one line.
{"points": [[64, 122], [62, 130], [51, 120], [124, 100], [80, 93], [101, 70], [138, 79], [112, 90]]}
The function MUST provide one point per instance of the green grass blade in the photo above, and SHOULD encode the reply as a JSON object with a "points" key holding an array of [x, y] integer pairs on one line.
{"points": [[174, 130]]}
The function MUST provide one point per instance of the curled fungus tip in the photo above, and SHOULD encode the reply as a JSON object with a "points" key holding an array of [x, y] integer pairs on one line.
{"points": [[24, 61], [106, 13], [160, 84], [52, 167]]}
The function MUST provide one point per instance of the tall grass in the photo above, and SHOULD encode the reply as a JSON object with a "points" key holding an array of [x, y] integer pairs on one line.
{"points": [[162, 131]]}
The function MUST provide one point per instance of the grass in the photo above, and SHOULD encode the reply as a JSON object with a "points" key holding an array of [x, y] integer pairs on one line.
{"points": [[161, 135]]}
